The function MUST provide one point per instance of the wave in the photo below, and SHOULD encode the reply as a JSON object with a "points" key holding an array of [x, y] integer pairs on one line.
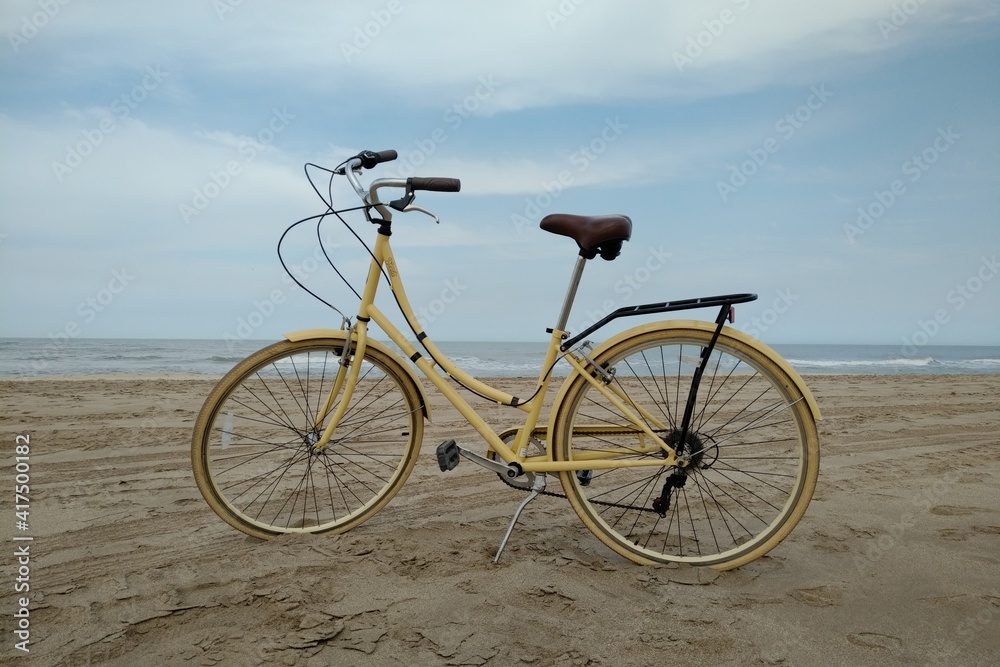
{"points": [[975, 363], [471, 364], [827, 363], [129, 357], [222, 359], [27, 357], [925, 362]]}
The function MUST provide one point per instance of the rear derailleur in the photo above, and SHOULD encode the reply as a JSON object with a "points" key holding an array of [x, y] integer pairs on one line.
{"points": [[676, 480]]}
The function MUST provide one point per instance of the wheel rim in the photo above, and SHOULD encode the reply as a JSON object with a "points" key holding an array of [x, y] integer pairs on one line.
{"points": [[259, 445], [746, 467]]}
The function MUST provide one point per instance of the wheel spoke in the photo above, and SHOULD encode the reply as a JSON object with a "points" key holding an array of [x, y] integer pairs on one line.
{"points": [[747, 461], [269, 478]]}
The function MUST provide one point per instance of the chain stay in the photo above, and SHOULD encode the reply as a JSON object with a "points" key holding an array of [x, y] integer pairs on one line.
{"points": [[555, 494]]}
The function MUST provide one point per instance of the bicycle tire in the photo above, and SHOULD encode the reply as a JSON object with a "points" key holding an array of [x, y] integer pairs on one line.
{"points": [[753, 446], [252, 448]]}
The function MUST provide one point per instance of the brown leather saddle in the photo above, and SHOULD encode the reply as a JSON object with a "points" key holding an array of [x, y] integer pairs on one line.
{"points": [[595, 234]]}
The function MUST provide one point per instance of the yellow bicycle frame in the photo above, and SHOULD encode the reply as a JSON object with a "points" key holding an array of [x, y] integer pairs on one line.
{"points": [[347, 378]]}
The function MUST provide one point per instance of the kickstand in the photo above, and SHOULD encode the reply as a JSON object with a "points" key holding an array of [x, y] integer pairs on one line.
{"points": [[536, 488]]}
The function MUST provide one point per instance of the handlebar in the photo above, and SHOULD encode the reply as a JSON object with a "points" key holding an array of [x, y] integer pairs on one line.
{"points": [[369, 159]]}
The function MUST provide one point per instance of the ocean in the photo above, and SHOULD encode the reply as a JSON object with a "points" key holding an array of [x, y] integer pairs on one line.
{"points": [[39, 357]]}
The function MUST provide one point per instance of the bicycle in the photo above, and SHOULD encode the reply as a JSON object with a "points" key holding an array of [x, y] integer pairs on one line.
{"points": [[674, 441]]}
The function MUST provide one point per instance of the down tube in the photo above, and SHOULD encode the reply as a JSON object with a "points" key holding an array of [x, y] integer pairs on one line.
{"points": [[427, 368], [396, 285]]}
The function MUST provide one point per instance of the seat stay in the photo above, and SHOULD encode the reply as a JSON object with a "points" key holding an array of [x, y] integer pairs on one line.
{"points": [[670, 456]]}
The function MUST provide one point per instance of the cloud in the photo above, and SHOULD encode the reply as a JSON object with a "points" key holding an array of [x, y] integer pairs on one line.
{"points": [[545, 53], [537, 84]]}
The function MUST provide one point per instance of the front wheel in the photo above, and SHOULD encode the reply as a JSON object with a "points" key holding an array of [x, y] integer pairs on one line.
{"points": [[254, 454], [750, 455]]}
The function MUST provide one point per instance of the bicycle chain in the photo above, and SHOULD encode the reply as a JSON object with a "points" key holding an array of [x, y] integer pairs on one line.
{"points": [[592, 502], [563, 495]]}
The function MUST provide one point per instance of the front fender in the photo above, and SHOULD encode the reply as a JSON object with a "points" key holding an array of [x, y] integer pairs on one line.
{"points": [[306, 334]]}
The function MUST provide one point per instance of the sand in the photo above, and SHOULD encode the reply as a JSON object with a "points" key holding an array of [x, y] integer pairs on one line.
{"points": [[897, 560]]}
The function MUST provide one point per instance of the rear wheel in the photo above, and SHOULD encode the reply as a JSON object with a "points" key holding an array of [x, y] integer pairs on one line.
{"points": [[750, 454], [254, 454]]}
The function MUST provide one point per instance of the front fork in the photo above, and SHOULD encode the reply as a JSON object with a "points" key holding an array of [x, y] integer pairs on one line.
{"points": [[346, 380]]}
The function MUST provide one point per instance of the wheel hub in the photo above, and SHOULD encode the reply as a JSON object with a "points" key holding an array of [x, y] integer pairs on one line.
{"points": [[309, 440]]}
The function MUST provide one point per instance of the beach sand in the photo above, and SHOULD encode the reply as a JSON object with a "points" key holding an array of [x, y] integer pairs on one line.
{"points": [[897, 560]]}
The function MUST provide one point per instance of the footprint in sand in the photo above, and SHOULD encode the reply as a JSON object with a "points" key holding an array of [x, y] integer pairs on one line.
{"points": [[960, 534], [875, 640], [821, 596], [952, 510], [957, 534]]}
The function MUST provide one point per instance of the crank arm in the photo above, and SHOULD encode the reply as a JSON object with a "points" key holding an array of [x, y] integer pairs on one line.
{"points": [[510, 471]]}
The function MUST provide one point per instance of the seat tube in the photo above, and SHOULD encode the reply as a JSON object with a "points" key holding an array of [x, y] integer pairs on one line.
{"points": [[574, 283]]}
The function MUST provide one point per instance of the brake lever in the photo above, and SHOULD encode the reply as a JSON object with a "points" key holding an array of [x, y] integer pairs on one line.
{"points": [[421, 209]]}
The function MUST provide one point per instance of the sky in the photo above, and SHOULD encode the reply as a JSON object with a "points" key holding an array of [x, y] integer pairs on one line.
{"points": [[840, 160]]}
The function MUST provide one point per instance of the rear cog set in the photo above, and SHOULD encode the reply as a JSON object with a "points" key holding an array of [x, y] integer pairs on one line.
{"points": [[700, 453], [694, 454]]}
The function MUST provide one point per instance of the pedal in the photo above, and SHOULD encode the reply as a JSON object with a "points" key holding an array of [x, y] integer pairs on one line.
{"points": [[448, 456]]}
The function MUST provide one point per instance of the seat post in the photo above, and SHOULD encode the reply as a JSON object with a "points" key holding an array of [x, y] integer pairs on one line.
{"points": [[574, 282]]}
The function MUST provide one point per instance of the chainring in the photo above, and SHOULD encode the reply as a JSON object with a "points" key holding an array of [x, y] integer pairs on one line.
{"points": [[535, 447]]}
